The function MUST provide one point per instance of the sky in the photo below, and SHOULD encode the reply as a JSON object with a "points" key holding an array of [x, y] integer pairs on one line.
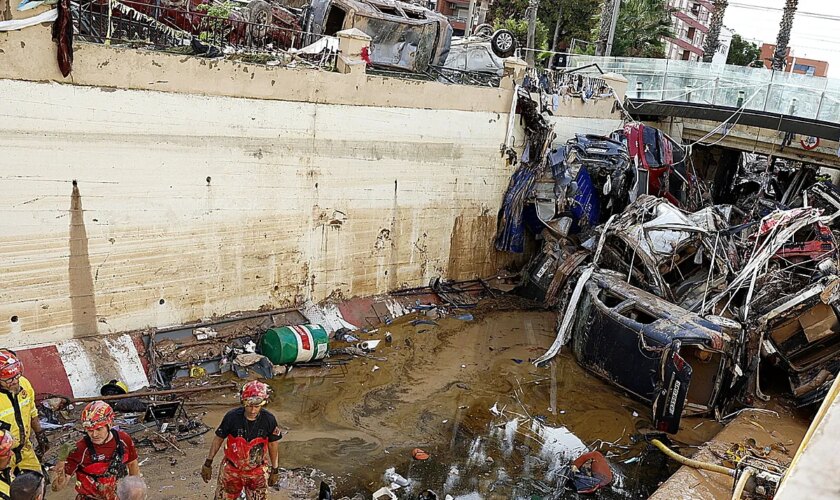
{"points": [[815, 34]]}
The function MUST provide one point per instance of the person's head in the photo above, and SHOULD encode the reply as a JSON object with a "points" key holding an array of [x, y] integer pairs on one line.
{"points": [[131, 488], [7, 444], [27, 486], [97, 419], [254, 396], [10, 371]]}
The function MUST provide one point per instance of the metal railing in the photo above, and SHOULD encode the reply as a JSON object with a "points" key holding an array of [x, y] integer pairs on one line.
{"points": [[139, 24], [759, 89]]}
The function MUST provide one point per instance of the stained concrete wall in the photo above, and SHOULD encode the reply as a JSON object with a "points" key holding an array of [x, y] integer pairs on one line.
{"points": [[149, 189], [125, 209]]}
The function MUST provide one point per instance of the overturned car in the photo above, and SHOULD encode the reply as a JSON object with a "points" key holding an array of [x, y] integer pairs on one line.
{"points": [[677, 256], [662, 354], [403, 35]]}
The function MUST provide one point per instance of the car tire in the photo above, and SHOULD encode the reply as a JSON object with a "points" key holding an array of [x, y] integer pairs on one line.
{"points": [[483, 30], [259, 16], [503, 43]]}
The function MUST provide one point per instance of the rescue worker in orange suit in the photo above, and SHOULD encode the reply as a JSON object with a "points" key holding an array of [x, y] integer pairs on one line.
{"points": [[250, 435], [19, 415], [7, 443], [98, 460]]}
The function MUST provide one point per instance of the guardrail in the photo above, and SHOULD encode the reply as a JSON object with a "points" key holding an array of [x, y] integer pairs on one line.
{"points": [[735, 86]]}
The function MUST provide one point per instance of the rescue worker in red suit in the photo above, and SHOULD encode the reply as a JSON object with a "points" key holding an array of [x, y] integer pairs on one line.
{"points": [[250, 435], [98, 460]]}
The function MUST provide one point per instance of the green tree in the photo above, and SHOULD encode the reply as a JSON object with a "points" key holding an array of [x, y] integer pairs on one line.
{"points": [[642, 26], [743, 52], [783, 39], [576, 17], [519, 28], [713, 36]]}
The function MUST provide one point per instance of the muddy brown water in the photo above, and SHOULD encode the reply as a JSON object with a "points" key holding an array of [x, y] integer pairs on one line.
{"points": [[495, 425]]}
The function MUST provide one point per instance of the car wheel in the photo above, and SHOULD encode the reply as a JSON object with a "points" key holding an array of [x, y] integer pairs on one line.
{"points": [[503, 43], [483, 30], [259, 16]]}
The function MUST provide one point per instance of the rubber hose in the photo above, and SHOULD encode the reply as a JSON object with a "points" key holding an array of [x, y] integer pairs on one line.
{"points": [[692, 463], [742, 482]]}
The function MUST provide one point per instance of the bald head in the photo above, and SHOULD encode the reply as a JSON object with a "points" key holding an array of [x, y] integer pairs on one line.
{"points": [[131, 488]]}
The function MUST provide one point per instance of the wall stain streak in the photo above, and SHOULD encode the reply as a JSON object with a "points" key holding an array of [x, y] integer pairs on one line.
{"points": [[82, 298]]}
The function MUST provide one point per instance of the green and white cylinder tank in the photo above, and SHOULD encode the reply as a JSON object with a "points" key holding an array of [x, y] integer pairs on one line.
{"points": [[295, 344]]}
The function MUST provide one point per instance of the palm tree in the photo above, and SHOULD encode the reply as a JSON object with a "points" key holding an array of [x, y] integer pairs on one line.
{"points": [[642, 28], [784, 35], [713, 36], [604, 27]]}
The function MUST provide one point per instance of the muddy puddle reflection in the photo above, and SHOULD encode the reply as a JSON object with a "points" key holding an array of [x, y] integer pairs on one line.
{"points": [[465, 392]]}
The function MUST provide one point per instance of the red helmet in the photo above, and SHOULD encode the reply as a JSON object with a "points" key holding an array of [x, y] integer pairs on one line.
{"points": [[97, 414], [7, 442], [10, 365], [254, 393]]}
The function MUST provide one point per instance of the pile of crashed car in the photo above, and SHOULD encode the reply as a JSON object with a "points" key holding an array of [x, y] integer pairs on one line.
{"points": [[404, 36], [676, 298]]}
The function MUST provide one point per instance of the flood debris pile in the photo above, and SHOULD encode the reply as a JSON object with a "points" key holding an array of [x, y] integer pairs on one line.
{"points": [[673, 291], [404, 36]]}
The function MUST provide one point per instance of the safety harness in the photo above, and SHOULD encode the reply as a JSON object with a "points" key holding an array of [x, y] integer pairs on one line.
{"points": [[92, 477]]}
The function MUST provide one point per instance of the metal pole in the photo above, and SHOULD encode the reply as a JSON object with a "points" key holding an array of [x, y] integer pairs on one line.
{"points": [[767, 96], [819, 106], [470, 13], [715, 89], [741, 95], [616, 8], [639, 86], [533, 5]]}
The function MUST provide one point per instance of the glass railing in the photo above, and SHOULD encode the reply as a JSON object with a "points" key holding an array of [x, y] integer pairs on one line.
{"points": [[735, 86]]}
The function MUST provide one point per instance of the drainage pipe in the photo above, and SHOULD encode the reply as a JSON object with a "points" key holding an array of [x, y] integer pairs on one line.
{"points": [[742, 483], [696, 464]]}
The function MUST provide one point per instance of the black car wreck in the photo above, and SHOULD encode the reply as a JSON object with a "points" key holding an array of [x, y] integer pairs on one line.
{"points": [[678, 361]]}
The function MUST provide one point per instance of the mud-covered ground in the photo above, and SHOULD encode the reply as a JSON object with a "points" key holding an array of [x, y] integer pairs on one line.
{"points": [[495, 425]]}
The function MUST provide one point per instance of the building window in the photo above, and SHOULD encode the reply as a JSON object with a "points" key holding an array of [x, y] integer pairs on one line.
{"points": [[805, 68], [695, 10]]}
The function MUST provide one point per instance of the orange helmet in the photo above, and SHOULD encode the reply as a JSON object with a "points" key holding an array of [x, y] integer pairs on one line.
{"points": [[254, 393], [7, 442], [10, 365], [97, 414]]}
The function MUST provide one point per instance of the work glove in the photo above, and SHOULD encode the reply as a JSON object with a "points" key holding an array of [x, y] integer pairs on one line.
{"points": [[43, 445], [64, 451], [207, 470], [273, 476]]}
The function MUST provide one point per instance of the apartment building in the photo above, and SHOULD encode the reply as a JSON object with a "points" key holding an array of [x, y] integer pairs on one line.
{"points": [[793, 63], [691, 20]]}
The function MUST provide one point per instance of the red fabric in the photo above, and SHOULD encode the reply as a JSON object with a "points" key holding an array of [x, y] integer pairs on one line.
{"points": [[80, 460], [243, 455], [232, 482], [88, 486], [62, 34]]}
